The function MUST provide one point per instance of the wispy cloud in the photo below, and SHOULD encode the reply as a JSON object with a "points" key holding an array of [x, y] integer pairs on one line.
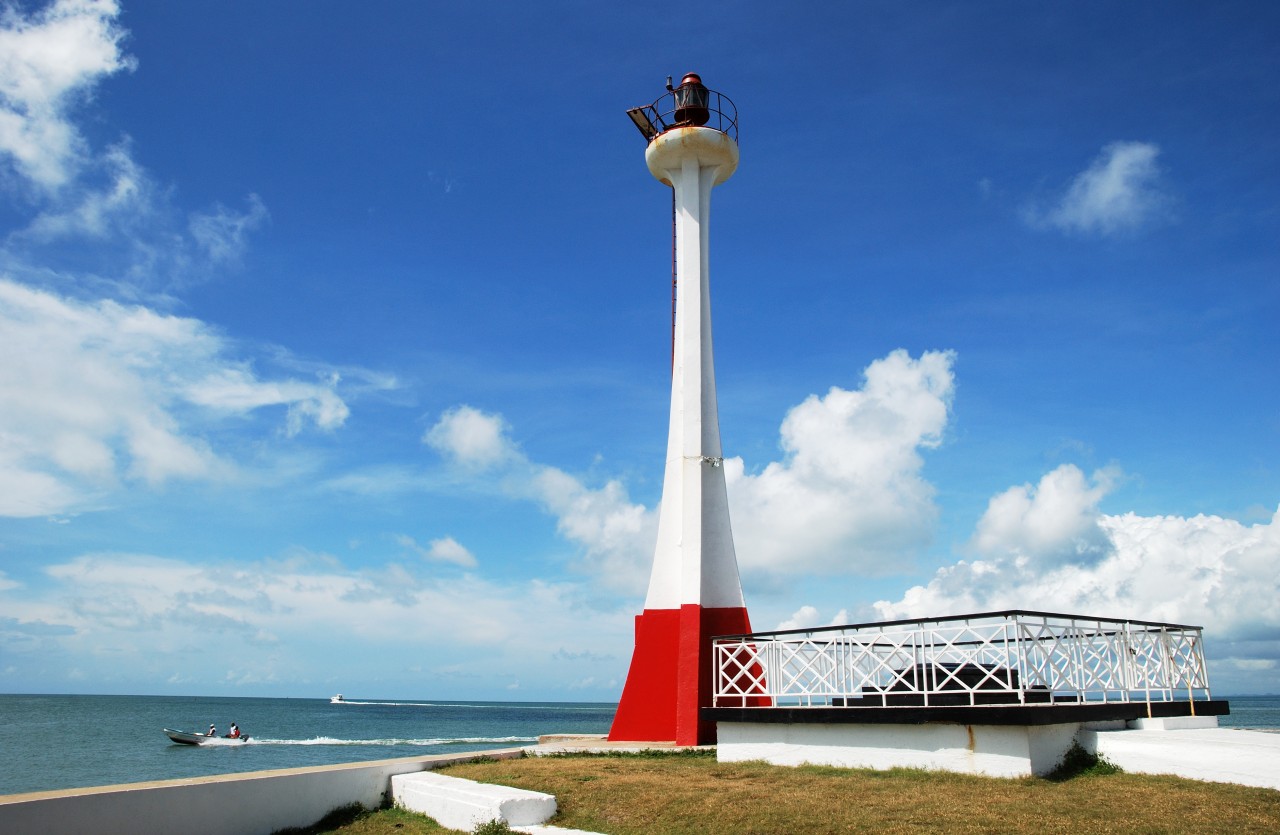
{"points": [[96, 394], [97, 217], [136, 617], [615, 534], [1121, 191], [446, 549], [221, 233]]}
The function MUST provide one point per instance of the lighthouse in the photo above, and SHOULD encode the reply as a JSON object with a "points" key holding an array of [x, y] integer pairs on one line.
{"points": [[694, 589]]}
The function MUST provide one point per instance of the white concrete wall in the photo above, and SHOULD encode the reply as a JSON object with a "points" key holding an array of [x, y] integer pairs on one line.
{"points": [[993, 750], [256, 803], [1174, 723]]}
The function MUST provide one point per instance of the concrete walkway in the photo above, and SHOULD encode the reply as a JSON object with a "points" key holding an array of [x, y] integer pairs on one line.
{"points": [[1216, 755]]}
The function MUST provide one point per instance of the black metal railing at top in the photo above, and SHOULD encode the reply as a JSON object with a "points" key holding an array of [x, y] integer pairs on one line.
{"points": [[1005, 614], [674, 109]]}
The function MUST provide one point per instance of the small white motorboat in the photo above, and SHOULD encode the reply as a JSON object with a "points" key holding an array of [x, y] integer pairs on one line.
{"points": [[184, 738], [337, 700]]}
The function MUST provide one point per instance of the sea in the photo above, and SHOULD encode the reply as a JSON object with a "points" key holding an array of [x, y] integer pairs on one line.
{"points": [[64, 742]]}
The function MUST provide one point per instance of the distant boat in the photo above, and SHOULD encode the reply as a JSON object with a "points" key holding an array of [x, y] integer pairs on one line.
{"points": [[184, 738], [337, 700]]}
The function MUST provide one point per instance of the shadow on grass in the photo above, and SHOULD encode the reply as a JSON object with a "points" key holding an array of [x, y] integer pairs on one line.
{"points": [[342, 816]]}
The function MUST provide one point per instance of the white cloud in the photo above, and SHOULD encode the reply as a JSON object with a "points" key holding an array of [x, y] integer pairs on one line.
{"points": [[1203, 570], [617, 535], [445, 549], [116, 216], [472, 438], [808, 617], [91, 206], [1121, 190], [1053, 523], [236, 390], [48, 60], [849, 495], [126, 198], [221, 234], [155, 618], [95, 393]]}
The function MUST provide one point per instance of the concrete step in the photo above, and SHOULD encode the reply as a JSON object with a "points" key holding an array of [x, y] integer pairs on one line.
{"points": [[463, 804]]}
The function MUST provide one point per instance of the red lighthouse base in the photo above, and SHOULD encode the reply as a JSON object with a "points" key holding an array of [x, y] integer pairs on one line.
{"points": [[671, 674]]}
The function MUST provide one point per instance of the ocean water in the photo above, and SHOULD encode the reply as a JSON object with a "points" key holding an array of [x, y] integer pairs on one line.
{"points": [[62, 742]]}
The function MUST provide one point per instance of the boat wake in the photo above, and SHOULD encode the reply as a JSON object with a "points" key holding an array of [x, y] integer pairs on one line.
{"points": [[505, 706], [328, 740], [387, 704]]}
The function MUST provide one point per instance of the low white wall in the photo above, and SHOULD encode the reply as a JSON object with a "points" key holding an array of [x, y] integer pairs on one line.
{"points": [[256, 803], [1174, 723], [993, 750]]}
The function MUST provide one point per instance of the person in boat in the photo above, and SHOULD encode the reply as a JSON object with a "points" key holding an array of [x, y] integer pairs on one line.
{"points": [[212, 731], [235, 731]]}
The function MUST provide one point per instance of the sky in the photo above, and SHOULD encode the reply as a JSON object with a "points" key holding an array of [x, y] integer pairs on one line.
{"points": [[335, 339]]}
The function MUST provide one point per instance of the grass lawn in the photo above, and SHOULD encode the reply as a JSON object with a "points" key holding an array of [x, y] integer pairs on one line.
{"points": [[692, 793]]}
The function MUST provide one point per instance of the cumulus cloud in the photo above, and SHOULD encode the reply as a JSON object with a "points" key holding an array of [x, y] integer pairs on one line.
{"points": [[1120, 191], [808, 617], [849, 494], [1050, 524], [472, 438], [1203, 570], [95, 393], [50, 60]]}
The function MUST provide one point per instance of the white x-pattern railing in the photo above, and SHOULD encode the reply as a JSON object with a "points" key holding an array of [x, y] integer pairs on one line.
{"points": [[1011, 657]]}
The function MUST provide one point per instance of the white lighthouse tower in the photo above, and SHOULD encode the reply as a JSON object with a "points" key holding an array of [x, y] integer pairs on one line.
{"points": [[694, 590]]}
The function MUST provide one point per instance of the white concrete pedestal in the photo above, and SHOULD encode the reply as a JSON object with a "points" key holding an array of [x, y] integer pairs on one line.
{"points": [[993, 750]]}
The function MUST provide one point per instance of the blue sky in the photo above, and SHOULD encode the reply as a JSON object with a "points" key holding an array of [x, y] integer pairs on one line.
{"points": [[336, 341]]}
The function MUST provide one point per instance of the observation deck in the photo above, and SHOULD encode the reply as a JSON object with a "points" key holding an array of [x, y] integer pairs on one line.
{"points": [[1011, 667]]}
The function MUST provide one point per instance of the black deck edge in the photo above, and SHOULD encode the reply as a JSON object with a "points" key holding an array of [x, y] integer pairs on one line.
{"points": [[966, 715]]}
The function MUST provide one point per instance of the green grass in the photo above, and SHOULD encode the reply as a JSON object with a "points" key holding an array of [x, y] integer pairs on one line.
{"points": [[357, 820], [690, 792]]}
